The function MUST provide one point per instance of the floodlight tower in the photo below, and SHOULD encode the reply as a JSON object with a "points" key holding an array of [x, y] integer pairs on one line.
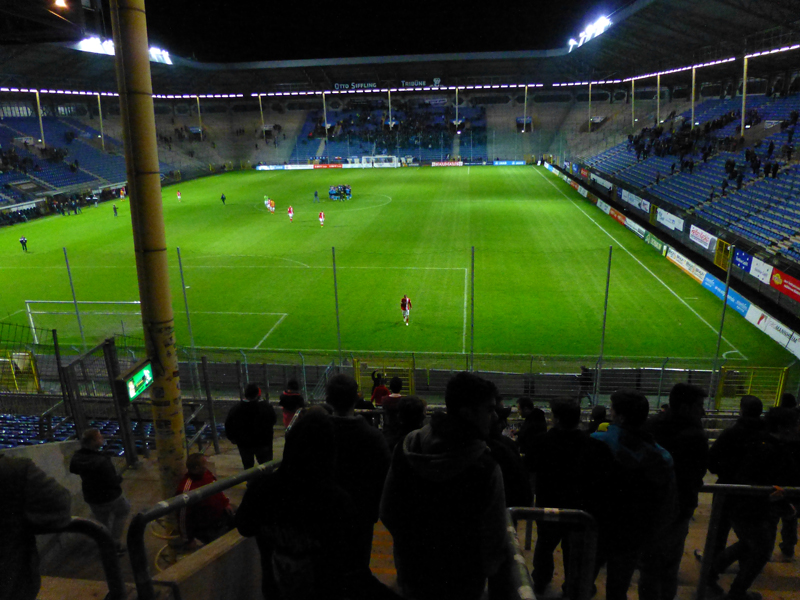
{"points": [[129, 25]]}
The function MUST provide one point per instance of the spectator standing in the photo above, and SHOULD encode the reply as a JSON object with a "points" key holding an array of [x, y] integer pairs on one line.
{"points": [[362, 460], [29, 499], [100, 484], [598, 419], [643, 499], [390, 406], [679, 430], [571, 470], [206, 520], [379, 391], [535, 423], [505, 451], [291, 401], [434, 470], [249, 426]]}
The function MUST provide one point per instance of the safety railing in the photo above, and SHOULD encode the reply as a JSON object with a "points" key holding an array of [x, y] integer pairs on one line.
{"points": [[108, 552], [720, 492], [136, 530], [584, 549]]}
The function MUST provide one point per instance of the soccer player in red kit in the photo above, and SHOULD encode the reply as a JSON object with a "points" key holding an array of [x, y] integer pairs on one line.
{"points": [[322, 219], [291, 214], [179, 195], [405, 306]]}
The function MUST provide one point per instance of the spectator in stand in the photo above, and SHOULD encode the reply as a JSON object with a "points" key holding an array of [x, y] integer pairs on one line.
{"points": [[100, 484], [290, 401], [29, 501], [791, 438], [379, 391], [766, 461], [411, 412], [571, 470], [433, 472], [249, 426], [679, 430], [302, 520], [206, 520], [505, 451], [644, 497], [598, 421], [535, 423], [390, 404], [362, 460]]}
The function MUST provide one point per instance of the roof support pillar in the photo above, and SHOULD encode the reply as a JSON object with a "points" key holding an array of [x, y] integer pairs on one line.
{"points": [[744, 95]]}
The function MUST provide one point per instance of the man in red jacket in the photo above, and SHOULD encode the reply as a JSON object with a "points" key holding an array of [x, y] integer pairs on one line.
{"points": [[206, 520]]}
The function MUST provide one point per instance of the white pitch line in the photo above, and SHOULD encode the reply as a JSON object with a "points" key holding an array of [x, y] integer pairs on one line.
{"points": [[16, 312], [466, 293], [205, 312], [641, 264], [264, 339]]}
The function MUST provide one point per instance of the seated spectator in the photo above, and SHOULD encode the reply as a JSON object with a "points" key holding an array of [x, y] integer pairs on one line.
{"points": [[290, 401], [29, 500], [302, 522], [644, 497], [434, 470], [206, 520]]}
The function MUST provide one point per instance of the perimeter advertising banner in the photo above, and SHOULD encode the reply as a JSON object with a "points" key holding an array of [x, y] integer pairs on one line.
{"points": [[656, 243], [742, 260], [691, 269], [448, 163], [297, 167], [327, 166], [574, 185], [617, 215], [786, 284], [509, 163], [669, 220], [269, 167], [583, 191], [773, 328], [701, 237], [636, 201], [761, 270], [584, 173], [635, 228], [603, 206], [735, 300], [600, 181]]}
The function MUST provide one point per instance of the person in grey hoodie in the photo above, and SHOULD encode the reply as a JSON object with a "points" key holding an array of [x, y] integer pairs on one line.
{"points": [[443, 501]]}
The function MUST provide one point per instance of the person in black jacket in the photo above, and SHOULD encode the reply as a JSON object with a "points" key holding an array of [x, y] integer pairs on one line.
{"points": [[101, 485], [571, 472], [290, 401], [249, 426], [29, 499], [679, 430]]}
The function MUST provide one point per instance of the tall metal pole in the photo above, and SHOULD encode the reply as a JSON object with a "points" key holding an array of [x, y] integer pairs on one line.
{"points": [[129, 24], [457, 125], [658, 99], [261, 111], [75, 299], [525, 110], [336, 298], [603, 333], [590, 107], [694, 84], [100, 112], [39, 112], [195, 373], [633, 102], [472, 315], [712, 392], [390, 109], [199, 117], [325, 116], [744, 94]]}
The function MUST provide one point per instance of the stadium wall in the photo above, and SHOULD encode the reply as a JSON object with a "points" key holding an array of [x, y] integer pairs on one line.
{"points": [[777, 330]]}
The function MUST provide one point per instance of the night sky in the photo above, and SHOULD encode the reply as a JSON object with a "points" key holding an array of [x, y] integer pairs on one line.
{"points": [[264, 30]]}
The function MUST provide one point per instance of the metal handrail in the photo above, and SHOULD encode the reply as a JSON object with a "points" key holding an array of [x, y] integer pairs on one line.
{"points": [[108, 552], [136, 549], [720, 491], [580, 589]]}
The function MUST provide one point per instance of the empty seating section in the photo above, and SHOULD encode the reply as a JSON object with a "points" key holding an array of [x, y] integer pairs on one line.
{"points": [[8, 195]]}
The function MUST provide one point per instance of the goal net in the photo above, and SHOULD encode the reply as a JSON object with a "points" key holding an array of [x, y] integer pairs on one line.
{"points": [[92, 321], [381, 161]]}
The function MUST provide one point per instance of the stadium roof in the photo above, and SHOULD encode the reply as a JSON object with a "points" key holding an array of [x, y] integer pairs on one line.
{"points": [[645, 37]]}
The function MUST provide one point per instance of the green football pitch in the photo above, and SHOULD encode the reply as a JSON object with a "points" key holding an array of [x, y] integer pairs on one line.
{"points": [[257, 280]]}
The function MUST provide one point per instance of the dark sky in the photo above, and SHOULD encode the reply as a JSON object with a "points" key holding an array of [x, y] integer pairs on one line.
{"points": [[253, 30]]}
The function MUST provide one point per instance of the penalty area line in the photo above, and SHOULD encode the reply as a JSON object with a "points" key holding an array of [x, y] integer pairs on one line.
{"points": [[641, 264], [264, 339]]}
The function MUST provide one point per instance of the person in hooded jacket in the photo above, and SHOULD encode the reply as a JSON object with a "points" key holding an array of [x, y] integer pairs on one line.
{"points": [[249, 425], [443, 501]]}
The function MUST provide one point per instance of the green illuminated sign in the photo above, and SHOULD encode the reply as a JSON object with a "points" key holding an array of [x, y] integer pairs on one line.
{"points": [[138, 380]]}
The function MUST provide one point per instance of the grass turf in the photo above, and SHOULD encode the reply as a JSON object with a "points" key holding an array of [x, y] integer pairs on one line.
{"points": [[256, 280]]}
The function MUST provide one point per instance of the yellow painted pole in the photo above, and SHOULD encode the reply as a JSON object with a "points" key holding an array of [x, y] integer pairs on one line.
{"points": [[658, 100], [633, 103], [39, 112], [525, 111], [149, 239], [261, 110], [199, 117]]}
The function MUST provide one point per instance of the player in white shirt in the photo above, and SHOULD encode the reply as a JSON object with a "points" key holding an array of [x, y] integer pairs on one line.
{"points": [[405, 306]]}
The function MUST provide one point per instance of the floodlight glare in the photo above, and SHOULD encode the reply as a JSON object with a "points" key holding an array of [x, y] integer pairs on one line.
{"points": [[60, 4], [592, 31]]}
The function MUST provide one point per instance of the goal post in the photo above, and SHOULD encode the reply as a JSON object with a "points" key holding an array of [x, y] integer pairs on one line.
{"points": [[381, 161], [98, 319]]}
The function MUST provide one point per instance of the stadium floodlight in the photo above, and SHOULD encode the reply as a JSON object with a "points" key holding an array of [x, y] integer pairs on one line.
{"points": [[60, 4], [592, 31]]}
